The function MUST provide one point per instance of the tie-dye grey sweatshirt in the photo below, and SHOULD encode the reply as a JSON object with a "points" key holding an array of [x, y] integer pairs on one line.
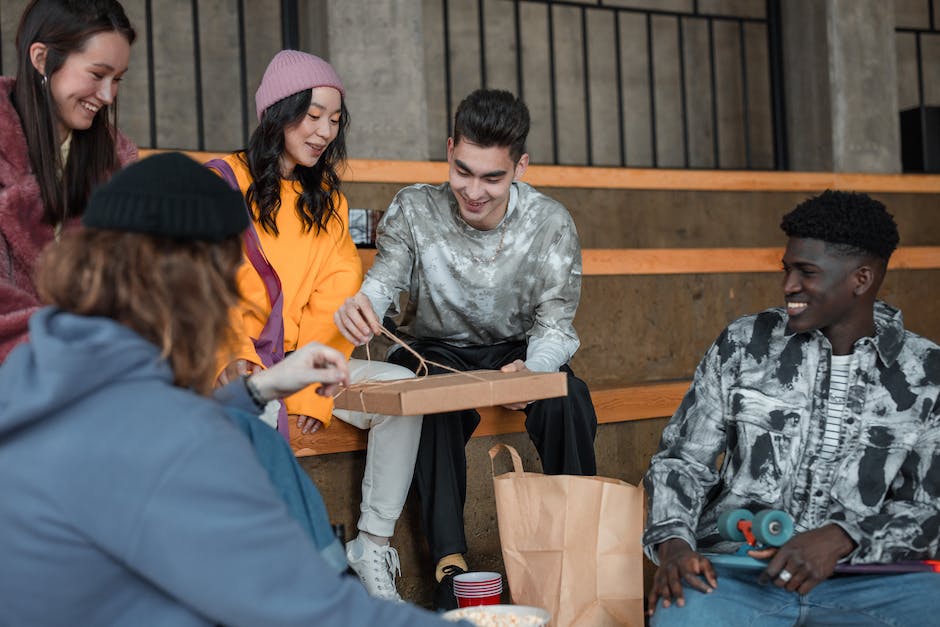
{"points": [[467, 289], [759, 398]]}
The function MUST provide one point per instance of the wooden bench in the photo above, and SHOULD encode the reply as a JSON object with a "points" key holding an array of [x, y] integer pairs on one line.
{"points": [[645, 400], [634, 402]]}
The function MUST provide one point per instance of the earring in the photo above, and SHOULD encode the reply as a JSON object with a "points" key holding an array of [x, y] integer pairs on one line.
{"points": [[44, 80]]}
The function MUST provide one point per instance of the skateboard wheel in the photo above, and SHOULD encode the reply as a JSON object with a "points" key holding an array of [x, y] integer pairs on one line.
{"points": [[728, 524], [773, 527]]}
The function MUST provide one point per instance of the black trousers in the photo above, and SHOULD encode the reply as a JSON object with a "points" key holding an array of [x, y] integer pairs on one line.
{"points": [[562, 430]]}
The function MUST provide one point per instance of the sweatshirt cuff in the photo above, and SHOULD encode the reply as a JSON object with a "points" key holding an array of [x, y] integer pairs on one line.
{"points": [[545, 358], [235, 394], [854, 534], [654, 536], [378, 296], [307, 402]]}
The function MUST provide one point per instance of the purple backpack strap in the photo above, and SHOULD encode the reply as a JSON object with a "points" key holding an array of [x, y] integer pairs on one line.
{"points": [[270, 343]]}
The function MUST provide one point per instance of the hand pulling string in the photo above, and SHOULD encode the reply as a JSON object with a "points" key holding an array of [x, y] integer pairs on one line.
{"points": [[421, 371]]}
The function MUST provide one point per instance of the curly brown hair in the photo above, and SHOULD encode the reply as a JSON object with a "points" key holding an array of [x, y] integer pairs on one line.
{"points": [[176, 294]]}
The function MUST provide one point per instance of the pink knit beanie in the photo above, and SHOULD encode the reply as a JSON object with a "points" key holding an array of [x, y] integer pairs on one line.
{"points": [[292, 71]]}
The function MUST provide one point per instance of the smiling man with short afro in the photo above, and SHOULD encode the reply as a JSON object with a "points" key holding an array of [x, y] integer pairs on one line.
{"points": [[856, 223]]}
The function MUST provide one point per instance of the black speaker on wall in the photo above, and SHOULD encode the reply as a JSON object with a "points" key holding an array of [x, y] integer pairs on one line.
{"points": [[920, 139]]}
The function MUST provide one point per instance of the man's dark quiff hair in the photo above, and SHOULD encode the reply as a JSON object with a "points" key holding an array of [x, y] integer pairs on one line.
{"points": [[854, 222], [493, 117]]}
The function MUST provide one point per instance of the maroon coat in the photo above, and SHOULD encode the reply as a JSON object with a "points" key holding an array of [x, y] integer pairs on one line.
{"points": [[22, 233]]}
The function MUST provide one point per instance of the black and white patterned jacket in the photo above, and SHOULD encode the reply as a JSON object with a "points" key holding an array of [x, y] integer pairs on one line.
{"points": [[748, 435]]}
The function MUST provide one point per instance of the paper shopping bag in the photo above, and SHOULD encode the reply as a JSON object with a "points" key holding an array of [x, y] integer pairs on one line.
{"points": [[571, 545]]}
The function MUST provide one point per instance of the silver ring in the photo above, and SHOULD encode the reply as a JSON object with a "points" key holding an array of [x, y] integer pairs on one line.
{"points": [[785, 575]]}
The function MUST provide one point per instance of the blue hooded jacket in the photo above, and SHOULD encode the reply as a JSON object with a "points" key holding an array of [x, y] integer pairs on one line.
{"points": [[129, 501]]}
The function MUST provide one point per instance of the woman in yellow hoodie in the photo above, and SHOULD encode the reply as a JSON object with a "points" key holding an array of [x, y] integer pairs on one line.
{"points": [[288, 175]]}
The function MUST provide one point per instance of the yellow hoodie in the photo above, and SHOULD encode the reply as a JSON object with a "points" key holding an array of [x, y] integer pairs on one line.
{"points": [[318, 271]]}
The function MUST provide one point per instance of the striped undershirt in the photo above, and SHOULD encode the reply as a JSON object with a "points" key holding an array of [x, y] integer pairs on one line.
{"points": [[838, 386]]}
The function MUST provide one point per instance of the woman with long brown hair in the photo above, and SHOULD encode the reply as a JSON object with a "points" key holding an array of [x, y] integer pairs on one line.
{"points": [[58, 136], [289, 175], [130, 495]]}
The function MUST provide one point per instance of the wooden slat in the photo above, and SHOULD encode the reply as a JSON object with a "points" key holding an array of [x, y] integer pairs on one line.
{"points": [[401, 172], [637, 261], [407, 172], [638, 402], [339, 437], [640, 261], [634, 402], [727, 180], [633, 261], [916, 258]]}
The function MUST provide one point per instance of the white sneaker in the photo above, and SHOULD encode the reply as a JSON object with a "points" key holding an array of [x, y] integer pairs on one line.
{"points": [[376, 566]]}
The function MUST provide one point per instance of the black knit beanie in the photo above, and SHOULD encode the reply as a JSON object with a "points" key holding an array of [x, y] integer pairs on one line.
{"points": [[170, 195]]}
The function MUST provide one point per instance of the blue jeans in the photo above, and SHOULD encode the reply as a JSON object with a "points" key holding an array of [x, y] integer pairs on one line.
{"points": [[856, 600]]}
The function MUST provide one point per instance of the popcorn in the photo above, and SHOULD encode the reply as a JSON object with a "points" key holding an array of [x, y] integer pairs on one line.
{"points": [[486, 618]]}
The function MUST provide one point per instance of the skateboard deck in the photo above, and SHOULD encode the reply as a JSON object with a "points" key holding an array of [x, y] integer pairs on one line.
{"points": [[773, 528]]}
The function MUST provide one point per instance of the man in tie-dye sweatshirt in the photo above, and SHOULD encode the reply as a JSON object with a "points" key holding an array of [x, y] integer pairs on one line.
{"points": [[827, 409]]}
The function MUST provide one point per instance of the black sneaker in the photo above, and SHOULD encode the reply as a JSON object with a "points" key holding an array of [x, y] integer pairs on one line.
{"points": [[444, 598]]}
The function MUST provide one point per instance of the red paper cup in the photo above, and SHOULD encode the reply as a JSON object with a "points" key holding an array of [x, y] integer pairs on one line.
{"points": [[478, 588], [462, 601]]}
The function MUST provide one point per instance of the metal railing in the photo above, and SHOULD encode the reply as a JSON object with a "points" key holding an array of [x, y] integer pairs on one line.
{"points": [[290, 38], [148, 93], [153, 91], [755, 123], [770, 23]]}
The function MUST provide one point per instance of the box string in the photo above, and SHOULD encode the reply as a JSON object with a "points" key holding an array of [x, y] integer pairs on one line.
{"points": [[421, 371]]}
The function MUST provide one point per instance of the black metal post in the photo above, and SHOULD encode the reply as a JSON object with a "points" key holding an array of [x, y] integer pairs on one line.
{"points": [[151, 74], [481, 20], [517, 27], [448, 95], [586, 69], [714, 89], [682, 94], [745, 100], [620, 120], [197, 68], [243, 71], [920, 102], [551, 80], [1, 44], [777, 100], [651, 73], [290, 25]]}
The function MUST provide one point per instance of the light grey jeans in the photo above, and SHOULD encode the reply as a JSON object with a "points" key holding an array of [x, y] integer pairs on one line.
{"points": [[390, 457]]}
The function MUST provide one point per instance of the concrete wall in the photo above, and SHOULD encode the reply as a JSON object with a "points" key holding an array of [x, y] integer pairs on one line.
{"points": [[10, 11], [839, 115], [846, 72], [377, 48]]}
